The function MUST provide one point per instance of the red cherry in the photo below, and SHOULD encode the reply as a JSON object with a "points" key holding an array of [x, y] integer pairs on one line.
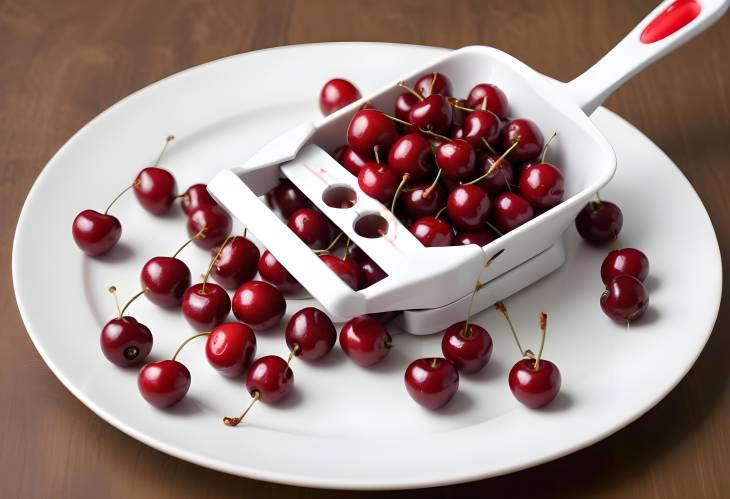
{"points": [[480, 237], [271, 378], [432, 231], [312, 227], [205, 305], [365, 340], [534, 387], [456, 132], [542, 185], [433, 83], [421, 200], [217, 224], [311, 333], [468, 352], [274, 272], [599, 222], [96, 233], [346, 270], [196, 196], [163, 383], [432, 382], [411, 154], [166, 278], [236, 263], [288, 198], [456, 159], [511, 210], [336, 94], [403, 105], [369, 128], [352, 161], [468, 207], [258, 304], [458, 114], [370, 272], [125, 342], [434, 113], [625, 299], [528, 137], [155, 189], [378, 181], [480, 126], [230, 348], [496, 100], [501, 179], [626, 261]]}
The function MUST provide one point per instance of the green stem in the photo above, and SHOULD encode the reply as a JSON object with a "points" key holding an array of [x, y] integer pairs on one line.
{"points": [[168, 139], [499, 233], [200, 233], [494, 165], [500, 306], [403, 181], [135, 184], [124, 309], [402, 84], [543, 332], [188, 341], [215, 259], [544, 149]]}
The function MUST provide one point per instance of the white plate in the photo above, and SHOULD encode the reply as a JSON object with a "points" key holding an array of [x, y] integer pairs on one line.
{"points": [[343, 426]]}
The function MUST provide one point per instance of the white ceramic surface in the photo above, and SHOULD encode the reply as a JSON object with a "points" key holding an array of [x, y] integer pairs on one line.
{"points": [[343, 426]]}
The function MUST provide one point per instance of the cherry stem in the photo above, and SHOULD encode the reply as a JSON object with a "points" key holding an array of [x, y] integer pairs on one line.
{"points": [[499, 233], [489, 146], [402, 84], [438, 213], [135, 184], [215, 259], [196, 236], [329, 248], [430, 188], [188, 341], [245, 232], [478, 285], [494, 165], [168, 139], [376, 151], [113, 291], [234, 421], [434, 134], [433, 82], [434, 363], [403, 181], [500, 306], [543, 332], [457, 105], [397, 120], [544, 149], [347, 247], [294, 352], [598, 197], [126, 306], [484, 103]]}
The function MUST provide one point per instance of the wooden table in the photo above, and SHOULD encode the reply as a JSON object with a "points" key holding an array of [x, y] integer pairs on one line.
{"points": [[63, 62]]}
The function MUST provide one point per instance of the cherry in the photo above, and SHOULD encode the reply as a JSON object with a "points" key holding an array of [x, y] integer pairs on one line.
{"points": [[469, 352], [626, 261], [526, 134], [235, 262], [163, 383], [369, 128], [258, 304], [403, 105], [336, 94], [456, 132], [433, 83], [458, 114], [434, 113], [167, 278], [456, 159], [431, 382], [124, 341], [502, 174], [352, 161], [370, 272], [346, 270], [480, 126], [423, 199], [230, 348], [310, 333], [491, 97], [365, 340], [214, 221], [312, 227], [288, 198], [196, 196], [378, 181], [155, 187], [599, 222], [511, 210], [432, 231], [274, 272], [411, 154], [542, 185], [625, 299], [480, 237], [205, 305], [468, 207]]}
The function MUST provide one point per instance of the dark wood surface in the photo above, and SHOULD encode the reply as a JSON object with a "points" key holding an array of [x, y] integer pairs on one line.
{"points": [[62, 62]]}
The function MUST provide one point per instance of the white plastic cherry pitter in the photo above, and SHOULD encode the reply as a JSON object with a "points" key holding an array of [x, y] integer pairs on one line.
{"points": [[432, 286]]}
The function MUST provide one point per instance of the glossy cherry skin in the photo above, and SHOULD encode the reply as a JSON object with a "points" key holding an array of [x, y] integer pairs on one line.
{"points": [[258, 304], [433, 113], [456, 131], [194, 197], [433, 83], [217, 223], [501, 179], [230, 348], [369, 128], [468, 207], [403, 105], [336, 94], [456, 159], [534, 388], [352, 160], [625, 299], [511, 210], [288, 199], [378, 181], [272, 271], [95, 233], [346, 270], [599, 222], [480, 126], [411, 154], [365, 340], [311, 330], [480, 237], [432, 231], [529, 136], [166, 278], [312, 227], [204, 307], [496, 99], [370, 272], [542, 184], [236, 264], [626, 261], [419, 203], [468, 352], [125, 342], [270, 377], [431, 382], [163, 383], [155, 189]]}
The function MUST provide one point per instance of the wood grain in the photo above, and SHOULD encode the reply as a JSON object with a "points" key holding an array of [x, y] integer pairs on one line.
{"points": [[63, 62]]}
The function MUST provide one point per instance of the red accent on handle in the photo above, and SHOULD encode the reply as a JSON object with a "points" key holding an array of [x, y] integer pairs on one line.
{"points": [[675, 17]]}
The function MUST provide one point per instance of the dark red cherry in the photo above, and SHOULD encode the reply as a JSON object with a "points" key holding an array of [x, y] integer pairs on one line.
{"points": [[270, 377], [420, 200], [125, 342], [155, 189], [196, 196], [370, 272], [433, 83], [230, 348], [288, 198], [458, 114], [167, 278], [378, 181], [403, 105], [496, 100], [312, 227], [509, 211], [365, 340], [96, 233], [480, 237], [336, 94], [346, 270], [432, 231], [542, 185], [352, 161], [456, 132], [369, 128], [456, 159], [163, 383], [599, 222], [432, 382], [411, 154], [534, 388], [480, 126], [469, 352], [468, 207], [272, 271], [205, 305], [625, 299], [258, 304], [528, 136], [217, 224], [626, 261], [433, 113], [312, 331], [236, 263], [501, 179]]}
